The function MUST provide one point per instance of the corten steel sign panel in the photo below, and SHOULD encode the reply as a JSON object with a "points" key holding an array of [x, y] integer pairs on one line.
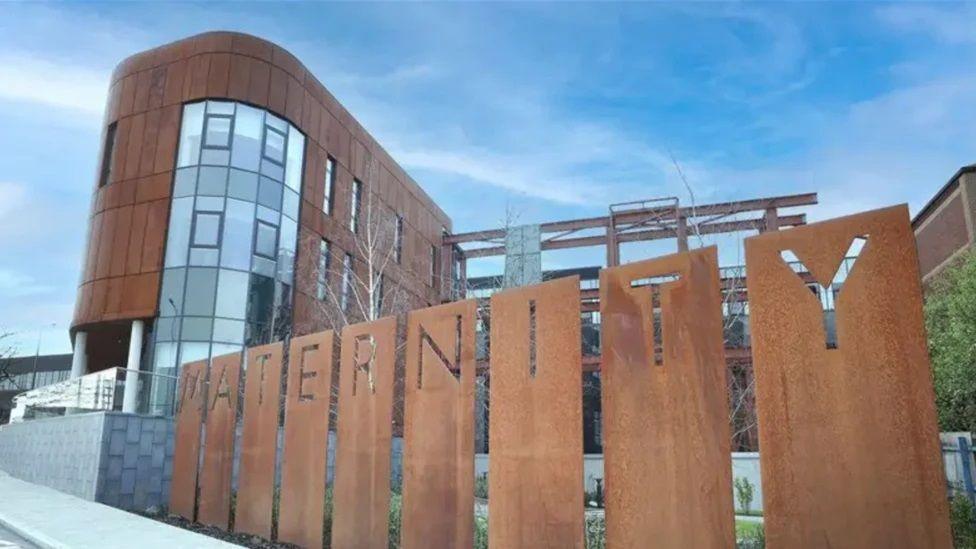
{"points": [[361, 502], [665, 409], [438, 458], [303, 463], [218, 450], [190, 404], [259, 437], [850, 447], [536, 466]]}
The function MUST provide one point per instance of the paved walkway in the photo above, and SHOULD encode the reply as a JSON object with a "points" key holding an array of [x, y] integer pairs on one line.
{"points": [[10, 540], [53, 520]]}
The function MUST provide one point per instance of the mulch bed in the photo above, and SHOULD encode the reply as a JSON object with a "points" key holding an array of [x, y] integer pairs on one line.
{"points": [[245, 540]]}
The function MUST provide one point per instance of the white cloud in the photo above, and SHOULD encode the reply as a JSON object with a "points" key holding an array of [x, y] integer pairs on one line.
{"points": [[15, 284], [951, 24], [52, 83]]}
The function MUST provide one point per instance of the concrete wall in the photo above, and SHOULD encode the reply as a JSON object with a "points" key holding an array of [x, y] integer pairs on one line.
{"points": [[62, 452], [123, 460]]}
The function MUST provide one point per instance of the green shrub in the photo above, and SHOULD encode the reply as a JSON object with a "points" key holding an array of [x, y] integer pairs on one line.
{"points": [[396, 507], [743, 493], [595, 532], [751, 535], [481, 486], [963, 518], [480, 532]]}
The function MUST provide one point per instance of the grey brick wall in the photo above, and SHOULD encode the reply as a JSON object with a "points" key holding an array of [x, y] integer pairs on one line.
{"points": [[123, 460]]}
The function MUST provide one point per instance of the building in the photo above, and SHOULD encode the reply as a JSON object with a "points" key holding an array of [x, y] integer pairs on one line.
{"points": [[235, 201], [19, 374], [230, 203], [944, 226]]}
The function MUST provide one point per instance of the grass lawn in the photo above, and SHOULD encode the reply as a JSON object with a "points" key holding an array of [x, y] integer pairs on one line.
{"points": [[746, 529]]}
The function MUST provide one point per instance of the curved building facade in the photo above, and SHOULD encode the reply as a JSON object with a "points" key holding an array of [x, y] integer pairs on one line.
{"points": [[228, 207]]}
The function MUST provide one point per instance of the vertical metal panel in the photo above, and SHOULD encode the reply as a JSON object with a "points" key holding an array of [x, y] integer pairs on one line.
{"points": [[190, 404], [666, 426], [362, 483], [850, 447], [303, 463], [259, 440], [536, 432], [438, 458], [218, 450]]}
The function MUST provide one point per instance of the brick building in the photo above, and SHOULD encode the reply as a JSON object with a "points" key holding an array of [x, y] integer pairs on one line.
{"points": [[944, 226]]}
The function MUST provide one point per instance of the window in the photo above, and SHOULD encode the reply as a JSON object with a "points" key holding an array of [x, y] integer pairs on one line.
{"points": [[357, 190], [217, 131], [329, 186], [398, 239], [433, 265], [323, 274], [206, 229], [346, 282], [378, 295], [107, 152], [274, 145], [265, 240]]}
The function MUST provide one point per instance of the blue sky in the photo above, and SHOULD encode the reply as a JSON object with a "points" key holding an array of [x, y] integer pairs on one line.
{"points": [[528, 111]]}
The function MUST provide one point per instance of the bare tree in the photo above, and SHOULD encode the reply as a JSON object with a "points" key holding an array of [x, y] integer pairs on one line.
{"points": [[735, 310], [7, 350], [370, 280]]}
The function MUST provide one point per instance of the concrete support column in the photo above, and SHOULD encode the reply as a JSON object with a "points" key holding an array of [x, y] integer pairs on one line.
{"points": [[131, 393], [79, 357]]}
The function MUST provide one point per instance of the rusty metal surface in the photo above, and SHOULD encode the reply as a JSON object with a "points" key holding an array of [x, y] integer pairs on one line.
{"points": [[361, 500], [438, 457], [303, 463], [218, 451], [536, 467], [259, 440], [850, 450], [665, 411], [190, 403]]}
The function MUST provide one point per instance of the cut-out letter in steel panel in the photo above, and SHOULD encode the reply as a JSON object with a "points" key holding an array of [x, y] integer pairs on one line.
{"points": [[361, 505], [259, 440], [218, 450], [190, 403], [536, 468], [665, 411], [438, 458], [850, 446], [303, 463]]}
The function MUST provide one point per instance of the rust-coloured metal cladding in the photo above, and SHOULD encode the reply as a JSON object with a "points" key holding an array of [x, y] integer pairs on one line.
{"points": [[438, 457], [303, 463], [665, 412], [190, 404], [218, 451], [259, 440], [850, 447], [536, 467], [361, 502]]}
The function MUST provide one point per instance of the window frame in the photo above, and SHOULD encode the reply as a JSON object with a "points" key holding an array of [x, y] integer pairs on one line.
{"points": [[328, 191], [193, 229], [398, 239], [264, 145], [433, 266], [206, 126], [355, 201], [108, 154], [254, 242], [325, 258], [347, 268]]}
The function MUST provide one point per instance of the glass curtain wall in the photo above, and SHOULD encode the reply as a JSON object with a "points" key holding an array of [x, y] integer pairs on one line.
{"points": [[233, 229]]}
